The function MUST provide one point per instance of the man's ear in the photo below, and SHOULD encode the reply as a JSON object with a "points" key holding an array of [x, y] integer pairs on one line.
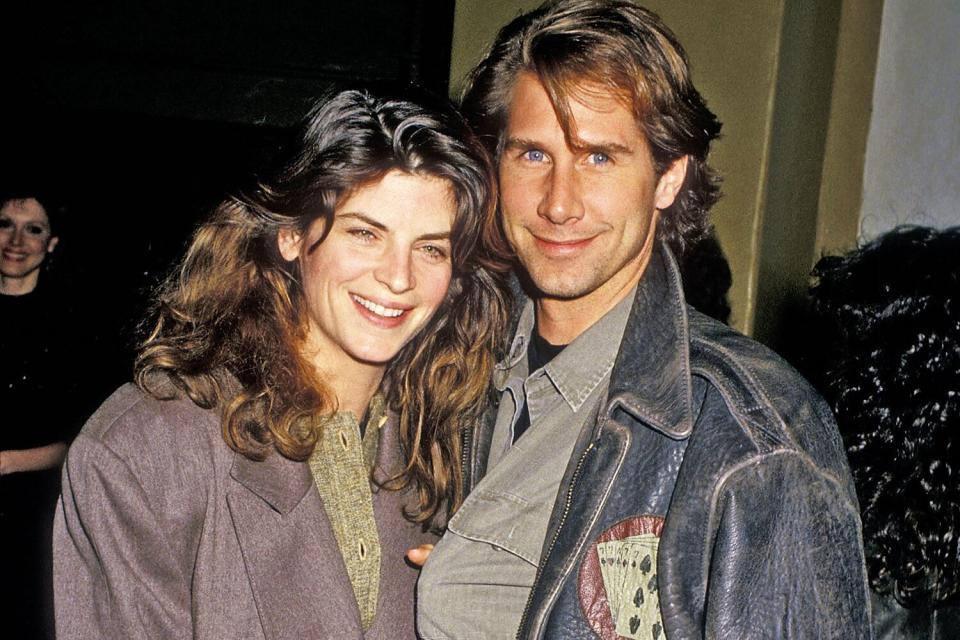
{"points": [[670, 183], [52, 243], [288, 241]]}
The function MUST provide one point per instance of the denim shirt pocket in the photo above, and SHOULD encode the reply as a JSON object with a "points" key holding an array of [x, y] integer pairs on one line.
{"points": [[505, 521]]}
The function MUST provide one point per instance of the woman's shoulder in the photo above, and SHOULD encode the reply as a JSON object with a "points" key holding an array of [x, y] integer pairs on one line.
{"points": [[139, 426], [160, 462]]}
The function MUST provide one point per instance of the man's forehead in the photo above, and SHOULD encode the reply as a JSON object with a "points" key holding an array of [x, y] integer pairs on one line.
{"points": [[589, 114]]}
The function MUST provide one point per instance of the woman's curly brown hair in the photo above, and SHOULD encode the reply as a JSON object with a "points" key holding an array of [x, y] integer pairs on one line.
{"points": [[234, 305], [892, 374]]}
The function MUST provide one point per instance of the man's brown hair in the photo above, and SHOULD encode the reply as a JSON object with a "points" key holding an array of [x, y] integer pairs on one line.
{"points": [[577, 47]]}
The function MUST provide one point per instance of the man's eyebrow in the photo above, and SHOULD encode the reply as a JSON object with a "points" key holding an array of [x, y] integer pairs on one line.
{"points": [[520, 143], [606, 147], [600, 146], [443, 235]]}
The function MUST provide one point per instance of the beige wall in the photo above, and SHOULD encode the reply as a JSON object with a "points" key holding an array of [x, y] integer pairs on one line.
{"points": [[791, 136]]}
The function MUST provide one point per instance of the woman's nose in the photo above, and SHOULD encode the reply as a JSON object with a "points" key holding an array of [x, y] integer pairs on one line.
{"points": [[396, 270]]}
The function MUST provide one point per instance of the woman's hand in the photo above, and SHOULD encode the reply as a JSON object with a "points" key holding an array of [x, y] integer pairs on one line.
{"points": [[419, 555]]}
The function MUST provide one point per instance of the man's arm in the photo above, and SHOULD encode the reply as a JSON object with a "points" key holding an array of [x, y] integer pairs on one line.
{"points": [[787, 558]]}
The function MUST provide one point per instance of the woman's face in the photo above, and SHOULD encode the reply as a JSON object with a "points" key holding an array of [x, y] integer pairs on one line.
{"points": [[25, 238], [381, 272]]}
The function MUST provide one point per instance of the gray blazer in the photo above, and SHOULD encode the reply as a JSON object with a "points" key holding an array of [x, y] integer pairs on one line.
{"points": [[163, 532]]}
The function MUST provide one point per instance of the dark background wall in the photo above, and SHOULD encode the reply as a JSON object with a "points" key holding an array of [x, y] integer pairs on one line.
{"points": [[142, 116]]}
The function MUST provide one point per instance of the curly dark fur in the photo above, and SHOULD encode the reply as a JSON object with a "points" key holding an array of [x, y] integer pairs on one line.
{"points": [[893, 378]]}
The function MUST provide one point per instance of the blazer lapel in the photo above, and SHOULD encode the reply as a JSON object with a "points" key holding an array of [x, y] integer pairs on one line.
{"points": [[297, 575]]}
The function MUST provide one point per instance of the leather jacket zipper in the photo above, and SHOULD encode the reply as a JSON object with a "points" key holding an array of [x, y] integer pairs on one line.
{"points": [[556, 536]]}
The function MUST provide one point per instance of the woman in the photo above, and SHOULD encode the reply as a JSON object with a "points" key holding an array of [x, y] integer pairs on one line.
{"points": [[35, 359], [887, 356], [337, 322]]}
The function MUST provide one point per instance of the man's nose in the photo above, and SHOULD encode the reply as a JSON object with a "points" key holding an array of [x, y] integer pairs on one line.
{"points": [[562, 201], [396, 270]]}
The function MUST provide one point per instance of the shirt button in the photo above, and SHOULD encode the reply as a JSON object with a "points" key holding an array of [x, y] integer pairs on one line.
{"points": [[362, 550], [343, 440]]}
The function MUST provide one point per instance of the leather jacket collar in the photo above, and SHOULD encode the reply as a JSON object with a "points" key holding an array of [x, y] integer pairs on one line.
{"points": [[651, 377]]}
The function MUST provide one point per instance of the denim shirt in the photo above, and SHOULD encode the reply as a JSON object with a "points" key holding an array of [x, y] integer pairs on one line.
{"points": [[487, 560]]}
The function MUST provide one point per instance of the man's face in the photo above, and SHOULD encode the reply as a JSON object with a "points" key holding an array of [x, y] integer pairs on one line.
{"points": [[581, 220]]}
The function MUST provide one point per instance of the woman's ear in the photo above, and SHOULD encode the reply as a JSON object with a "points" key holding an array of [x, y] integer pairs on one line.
{"points": [[288, 241]]}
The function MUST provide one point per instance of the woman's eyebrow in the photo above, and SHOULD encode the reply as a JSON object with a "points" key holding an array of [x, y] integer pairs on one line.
{"points": [[356, 215]]}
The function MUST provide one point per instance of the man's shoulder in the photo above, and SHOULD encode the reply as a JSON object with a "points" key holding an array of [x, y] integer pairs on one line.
{"points": [[767, 399]]}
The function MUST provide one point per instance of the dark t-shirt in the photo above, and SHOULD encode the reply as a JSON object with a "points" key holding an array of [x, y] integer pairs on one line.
{"points": [[539, 354]]}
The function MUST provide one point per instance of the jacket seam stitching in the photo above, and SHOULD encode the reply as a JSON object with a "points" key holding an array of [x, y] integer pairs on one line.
{"points": [[726, 476]]}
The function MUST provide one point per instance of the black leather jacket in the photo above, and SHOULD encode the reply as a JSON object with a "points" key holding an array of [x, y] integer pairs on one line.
{"points": [[738, 465], [920, 622]]}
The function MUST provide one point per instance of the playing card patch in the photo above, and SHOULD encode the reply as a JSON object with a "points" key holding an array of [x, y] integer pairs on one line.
{"points": [[618, 581]]}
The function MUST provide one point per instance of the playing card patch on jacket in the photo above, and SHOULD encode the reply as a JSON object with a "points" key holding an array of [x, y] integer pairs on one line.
{"points": [[618, 581]]}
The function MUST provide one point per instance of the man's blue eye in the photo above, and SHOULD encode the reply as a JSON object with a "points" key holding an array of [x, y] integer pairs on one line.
{"points": [[535, 155], [599, 158]]}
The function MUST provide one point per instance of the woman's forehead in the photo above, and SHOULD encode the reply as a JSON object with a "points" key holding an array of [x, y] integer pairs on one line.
{"points": [[25, 210]]}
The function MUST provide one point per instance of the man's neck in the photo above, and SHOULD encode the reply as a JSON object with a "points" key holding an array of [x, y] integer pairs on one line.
{"points": [[561, 321]]}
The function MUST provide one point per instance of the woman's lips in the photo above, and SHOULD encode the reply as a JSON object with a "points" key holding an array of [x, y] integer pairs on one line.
{"points": [[14, 255], [383, 315]]}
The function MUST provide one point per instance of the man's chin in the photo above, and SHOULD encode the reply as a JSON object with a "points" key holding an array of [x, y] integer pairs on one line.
{"points": [[555, 286]]}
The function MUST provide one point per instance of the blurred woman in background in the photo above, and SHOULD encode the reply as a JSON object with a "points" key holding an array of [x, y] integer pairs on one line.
{"points": [[36, 388]]}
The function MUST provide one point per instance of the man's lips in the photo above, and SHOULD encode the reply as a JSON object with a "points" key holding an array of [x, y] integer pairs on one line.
{"points": [[562, 247]]}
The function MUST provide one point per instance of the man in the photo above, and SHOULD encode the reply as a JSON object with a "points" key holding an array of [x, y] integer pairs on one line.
{"points": [[648, 473]]}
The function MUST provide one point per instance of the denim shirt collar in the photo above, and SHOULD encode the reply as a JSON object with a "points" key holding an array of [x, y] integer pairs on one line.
{"points": [[580, 367], [522, 330], [651, 377]]}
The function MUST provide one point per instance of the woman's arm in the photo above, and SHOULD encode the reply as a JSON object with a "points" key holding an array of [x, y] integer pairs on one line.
{"points": [[116, 568], [36, 459]]}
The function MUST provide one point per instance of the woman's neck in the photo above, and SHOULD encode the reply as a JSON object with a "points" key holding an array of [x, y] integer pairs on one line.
{"points": [[352, 382], [354, 388], [19, 286]]}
